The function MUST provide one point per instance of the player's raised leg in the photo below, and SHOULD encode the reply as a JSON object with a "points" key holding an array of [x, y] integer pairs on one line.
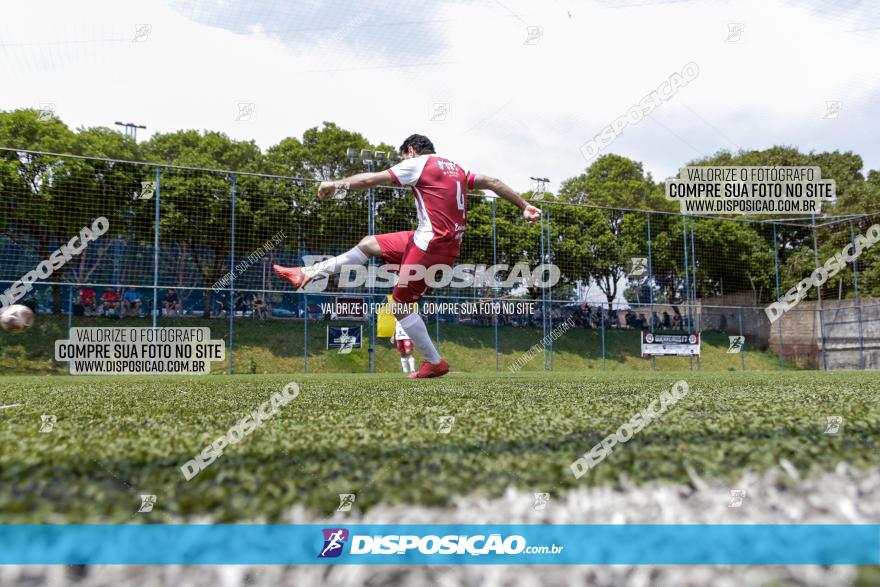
{"points": [[300, 276], [358, 255]]}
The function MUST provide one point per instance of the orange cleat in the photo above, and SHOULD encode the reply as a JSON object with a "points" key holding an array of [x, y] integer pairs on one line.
{"points": [[294, 275], [428, 370]]}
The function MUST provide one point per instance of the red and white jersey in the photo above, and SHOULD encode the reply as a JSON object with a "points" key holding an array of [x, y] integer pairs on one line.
{"points": [[440, 187], [399, 332]]}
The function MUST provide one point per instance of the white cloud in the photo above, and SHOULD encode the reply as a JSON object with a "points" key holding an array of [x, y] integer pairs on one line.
{"points": [[515, 109]]}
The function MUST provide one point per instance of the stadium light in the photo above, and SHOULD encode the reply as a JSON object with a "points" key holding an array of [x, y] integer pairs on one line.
{"points": [[371, 158], [130, 128], [541, 186]]}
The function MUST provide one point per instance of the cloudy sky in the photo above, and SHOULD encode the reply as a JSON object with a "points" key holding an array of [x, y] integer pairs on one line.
{"points": [[509, 88]]}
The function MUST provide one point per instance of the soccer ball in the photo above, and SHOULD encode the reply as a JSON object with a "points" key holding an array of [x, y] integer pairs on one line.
{"points": [[16, 318]]}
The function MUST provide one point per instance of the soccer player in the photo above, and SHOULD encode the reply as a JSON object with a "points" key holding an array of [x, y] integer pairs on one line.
{"points": [[404, 347], [440, 188]]}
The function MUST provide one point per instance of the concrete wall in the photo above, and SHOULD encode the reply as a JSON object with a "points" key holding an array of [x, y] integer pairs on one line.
{"points": [[799, 332], [797, 335], [844, 347]]}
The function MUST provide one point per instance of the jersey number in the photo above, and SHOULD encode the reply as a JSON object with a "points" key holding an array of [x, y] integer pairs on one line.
{"points": [[459, 199]]}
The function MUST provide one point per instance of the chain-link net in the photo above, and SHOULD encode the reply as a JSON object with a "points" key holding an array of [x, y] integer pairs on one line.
{"points": [[208, 262]]}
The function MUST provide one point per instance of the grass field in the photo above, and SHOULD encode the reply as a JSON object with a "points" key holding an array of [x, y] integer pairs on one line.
{"points": [[377, 436], [276, 346]]}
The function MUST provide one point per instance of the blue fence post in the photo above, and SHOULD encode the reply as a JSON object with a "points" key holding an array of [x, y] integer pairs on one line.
{"points": [[742, 350], [698, 316], [602, 321], [495, 262], [306, 333], [69, 310], [156, 205], [852, 237], [543, 294], [778, 294], [371, 226], [687, 279], [69, 317], [819, 296], [298, 259], [549, 289], [232, 278], [651, 289], [436, 325]]}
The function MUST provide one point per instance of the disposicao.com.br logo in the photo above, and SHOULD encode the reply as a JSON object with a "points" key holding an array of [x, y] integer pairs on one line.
{"points": [[334, 540]]}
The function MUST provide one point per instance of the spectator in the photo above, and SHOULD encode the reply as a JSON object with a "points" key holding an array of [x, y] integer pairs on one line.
{"points": [[241, 304], [583, 316], [678, 320], [35, 301], [86, 300], [110, 303], [261, 310], [312, 311], [221, 307], [131, 303], [30, 302], [171, 303]]}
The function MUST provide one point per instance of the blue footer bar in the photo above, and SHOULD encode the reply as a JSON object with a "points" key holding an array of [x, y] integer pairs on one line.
{"points": [[439, 544]]}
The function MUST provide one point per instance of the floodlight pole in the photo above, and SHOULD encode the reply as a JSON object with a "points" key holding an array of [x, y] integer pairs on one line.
{"points": [[819, 297], [778, 296], [852, 237], [540, 189], [130, 128], [370, 263], [369, 159]]}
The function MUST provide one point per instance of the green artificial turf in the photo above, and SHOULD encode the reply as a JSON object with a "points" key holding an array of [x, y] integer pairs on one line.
{"points": [[377, 436]]}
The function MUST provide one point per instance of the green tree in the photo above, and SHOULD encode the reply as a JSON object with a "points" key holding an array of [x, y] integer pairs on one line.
{"points": [[196, 221], [594, 239], [84, 189], [330, 226], [855, 195], [48, 200]]}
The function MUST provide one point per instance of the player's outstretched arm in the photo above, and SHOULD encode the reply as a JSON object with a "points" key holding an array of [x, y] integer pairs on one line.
{"points": [[361, 181], [504, 191]]}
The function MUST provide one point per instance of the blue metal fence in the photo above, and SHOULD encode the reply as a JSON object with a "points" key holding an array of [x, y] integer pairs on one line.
{"points": [[691, 297]]}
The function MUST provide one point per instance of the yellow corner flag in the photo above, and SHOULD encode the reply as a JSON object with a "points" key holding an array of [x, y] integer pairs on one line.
{"points": [[385, 320]]}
